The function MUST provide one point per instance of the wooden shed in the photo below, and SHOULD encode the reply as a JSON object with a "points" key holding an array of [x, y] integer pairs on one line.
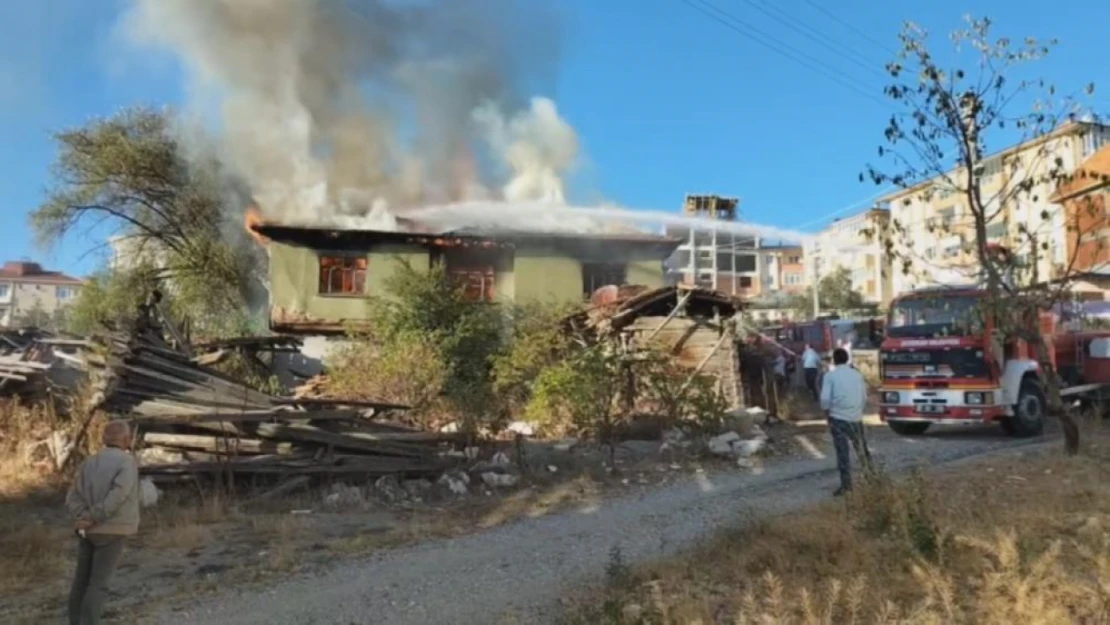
{"points": [[692, 323]]}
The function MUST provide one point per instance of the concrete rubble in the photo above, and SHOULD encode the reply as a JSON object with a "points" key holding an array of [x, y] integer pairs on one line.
{"points": [[457, 482], [730, 444]]}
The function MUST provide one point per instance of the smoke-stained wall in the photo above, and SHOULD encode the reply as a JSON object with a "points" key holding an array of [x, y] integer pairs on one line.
{"points": [[295, 283]]}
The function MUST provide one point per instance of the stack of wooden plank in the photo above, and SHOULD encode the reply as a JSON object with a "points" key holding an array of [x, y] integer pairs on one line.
{"points": [[33, 363], [193, 419], [250, 348]]}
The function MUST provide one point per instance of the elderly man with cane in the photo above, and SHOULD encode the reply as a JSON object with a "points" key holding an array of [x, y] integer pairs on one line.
{"points": [[104, 505], [843, 398]]}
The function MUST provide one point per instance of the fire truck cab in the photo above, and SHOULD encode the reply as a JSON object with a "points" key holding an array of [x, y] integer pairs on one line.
{"points": [[943, 362]]}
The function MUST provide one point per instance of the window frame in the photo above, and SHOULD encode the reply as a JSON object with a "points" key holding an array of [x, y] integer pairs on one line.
{"points": [[590, 284], [474, 270], [359, 287]]}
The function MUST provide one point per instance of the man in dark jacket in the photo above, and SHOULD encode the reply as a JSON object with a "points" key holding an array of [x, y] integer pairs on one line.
{"points": [[104, 505]]}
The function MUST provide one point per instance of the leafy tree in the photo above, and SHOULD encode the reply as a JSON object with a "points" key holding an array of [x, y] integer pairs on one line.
{"points": [[835, 291], [938, 144], [130, 174]]}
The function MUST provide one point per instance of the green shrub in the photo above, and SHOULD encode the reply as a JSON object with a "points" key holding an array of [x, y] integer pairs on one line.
{"points": [[578, 393], [408, 370], [536, 342], [678, 395]]}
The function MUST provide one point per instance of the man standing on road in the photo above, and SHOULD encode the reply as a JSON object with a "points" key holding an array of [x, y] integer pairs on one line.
{"points": [[811, 362], [104, 505], [843, 398]]}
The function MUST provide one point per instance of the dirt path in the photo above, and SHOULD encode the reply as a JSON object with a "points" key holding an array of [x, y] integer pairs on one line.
{"points": [[517, 573]]}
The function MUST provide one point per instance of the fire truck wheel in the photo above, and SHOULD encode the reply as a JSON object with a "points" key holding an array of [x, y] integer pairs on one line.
{"points": [[909, 428], [1029, 412]]}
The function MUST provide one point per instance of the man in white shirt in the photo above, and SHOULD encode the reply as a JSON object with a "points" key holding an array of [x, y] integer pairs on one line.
{"points": [[811, 363], [843, 398]]}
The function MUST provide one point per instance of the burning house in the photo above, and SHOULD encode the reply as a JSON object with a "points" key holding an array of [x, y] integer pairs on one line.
{"points": [[320, 277]]}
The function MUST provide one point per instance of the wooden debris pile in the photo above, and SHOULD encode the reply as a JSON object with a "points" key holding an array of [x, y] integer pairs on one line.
{"points": [[692, 323], [316, 386], [613, 308], [35, 364], [251, 349], [195, 420]]}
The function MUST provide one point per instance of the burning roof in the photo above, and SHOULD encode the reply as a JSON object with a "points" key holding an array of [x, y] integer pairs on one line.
{"points": [[413, 232]]}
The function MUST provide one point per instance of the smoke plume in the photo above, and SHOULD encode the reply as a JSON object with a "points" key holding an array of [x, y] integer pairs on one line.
{"points": [[333, 109]]}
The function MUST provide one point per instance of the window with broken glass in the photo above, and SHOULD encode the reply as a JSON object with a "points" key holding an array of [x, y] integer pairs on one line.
{"points": [[474, 270], [342, 275]]}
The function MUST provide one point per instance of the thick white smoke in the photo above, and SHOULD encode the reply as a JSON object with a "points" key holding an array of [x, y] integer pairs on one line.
{"points": [[538, 146], [333, 108]]}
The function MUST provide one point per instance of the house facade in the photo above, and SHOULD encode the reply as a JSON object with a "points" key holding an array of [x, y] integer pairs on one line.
{"points": [[320, 278], [25, 288]]}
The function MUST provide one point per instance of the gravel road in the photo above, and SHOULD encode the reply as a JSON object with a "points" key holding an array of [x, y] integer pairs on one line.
{"points": [[517, 572]]}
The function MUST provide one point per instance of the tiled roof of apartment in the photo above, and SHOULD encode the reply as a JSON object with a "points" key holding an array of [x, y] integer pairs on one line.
{"points": [[1091, 174], [24, 271]]}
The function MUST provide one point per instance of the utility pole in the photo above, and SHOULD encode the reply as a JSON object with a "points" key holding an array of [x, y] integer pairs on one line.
{"points": [[816, 297]]}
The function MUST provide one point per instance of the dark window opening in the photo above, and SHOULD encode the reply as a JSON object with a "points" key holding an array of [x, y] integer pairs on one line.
{"points": [[745, 282], [744, 262], [597, 275], [342, 275]]}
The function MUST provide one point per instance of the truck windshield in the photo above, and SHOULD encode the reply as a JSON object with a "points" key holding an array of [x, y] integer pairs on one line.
{"points": [[933, 317]]}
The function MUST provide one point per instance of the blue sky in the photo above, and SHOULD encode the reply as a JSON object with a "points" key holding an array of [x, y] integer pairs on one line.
{"points": [[665, 99]]}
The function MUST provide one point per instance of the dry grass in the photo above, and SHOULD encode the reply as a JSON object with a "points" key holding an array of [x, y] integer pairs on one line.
{"points": [[1025, 540], [32, 545], [26, 467], [33, 552]]}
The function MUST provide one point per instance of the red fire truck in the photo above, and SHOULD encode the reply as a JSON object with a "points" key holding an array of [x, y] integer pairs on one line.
{"points": [[942, 361]]}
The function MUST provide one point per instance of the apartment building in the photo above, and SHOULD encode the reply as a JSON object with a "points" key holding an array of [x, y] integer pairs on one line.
{"points": [[712, 257], [1085, 198], [938, 230], [854, 243], [128, 253], [782, 268], [27, 287]]}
